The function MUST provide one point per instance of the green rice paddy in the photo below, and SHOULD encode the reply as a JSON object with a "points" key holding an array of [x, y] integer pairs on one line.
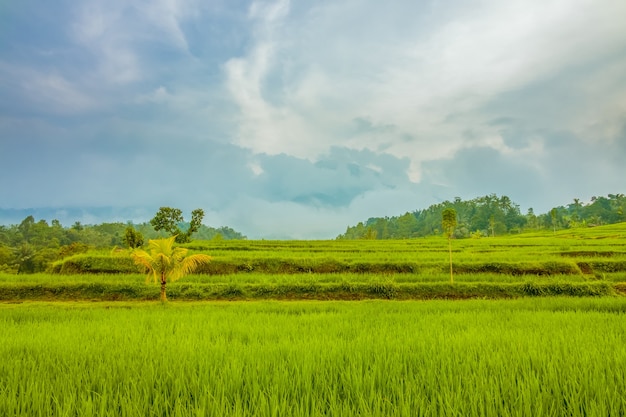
{"points": [[534, 325], [525, 357]]}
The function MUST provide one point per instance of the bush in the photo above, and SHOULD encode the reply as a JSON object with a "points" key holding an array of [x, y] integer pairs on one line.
{"points": [[95, 264]]}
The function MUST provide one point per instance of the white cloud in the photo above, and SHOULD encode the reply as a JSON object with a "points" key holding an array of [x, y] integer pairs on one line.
{"points": [[100, 28], [256, 168], [298, 88], [115, 33], [269, 11], [166, 15]]}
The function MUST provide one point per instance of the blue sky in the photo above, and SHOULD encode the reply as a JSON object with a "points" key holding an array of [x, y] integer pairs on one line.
{"points": [[296, 119]]}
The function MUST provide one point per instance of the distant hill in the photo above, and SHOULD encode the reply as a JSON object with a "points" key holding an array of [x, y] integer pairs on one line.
{"points": [[491, 215], [70, 215]]}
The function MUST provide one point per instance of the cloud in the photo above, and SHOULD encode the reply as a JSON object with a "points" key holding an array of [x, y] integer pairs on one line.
{"points": [[258, 218], [541, 177], [309, 75], [43, 92], [106, 47], [335, 180], [296, 118]]}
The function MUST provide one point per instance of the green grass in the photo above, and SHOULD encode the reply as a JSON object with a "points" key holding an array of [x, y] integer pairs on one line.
{"points": [[546, 355], [289, 286], [526, 357], [591, 251], [589, 261]]}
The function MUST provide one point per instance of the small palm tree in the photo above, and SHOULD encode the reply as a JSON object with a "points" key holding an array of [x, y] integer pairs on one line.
{"points": [[165, 262]]}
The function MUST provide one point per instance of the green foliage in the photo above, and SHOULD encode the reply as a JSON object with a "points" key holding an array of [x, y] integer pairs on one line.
{"points": [[489, 214], [164, 262], [492, 215], [448, 221], [72, 249], [6, 259], [169, 219], [133, 238], [32, 246], [94, 264]]}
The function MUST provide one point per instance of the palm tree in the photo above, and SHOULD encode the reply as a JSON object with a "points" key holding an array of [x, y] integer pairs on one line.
{"points": [[165, 262], [448, 222]]}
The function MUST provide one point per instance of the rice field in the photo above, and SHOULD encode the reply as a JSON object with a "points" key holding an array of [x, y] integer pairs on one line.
{"points": [[580, 262], [597, 253], [70, 351], [523, 357]]}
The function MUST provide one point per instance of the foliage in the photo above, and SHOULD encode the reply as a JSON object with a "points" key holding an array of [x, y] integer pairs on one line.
{"points": [[164, 262], [448, 223], [133, 238], [94, 264], [33, 246], [169, 219], [492, 216]]}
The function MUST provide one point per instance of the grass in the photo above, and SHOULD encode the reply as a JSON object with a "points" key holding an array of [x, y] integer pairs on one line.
{"points": [[591, 251], [554, 356], [578, 262], [546, 355], [302, 286]]}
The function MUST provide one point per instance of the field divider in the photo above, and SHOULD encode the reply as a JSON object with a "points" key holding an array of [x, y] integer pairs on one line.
{"points": [[10, 292]]}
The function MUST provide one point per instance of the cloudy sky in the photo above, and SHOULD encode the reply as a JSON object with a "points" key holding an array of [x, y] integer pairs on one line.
{"points": [[295, 119]]}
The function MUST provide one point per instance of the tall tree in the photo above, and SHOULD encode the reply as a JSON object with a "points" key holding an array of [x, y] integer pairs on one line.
{"points": [[448, 223], [553, 216], [168, 219], [164, 262]]}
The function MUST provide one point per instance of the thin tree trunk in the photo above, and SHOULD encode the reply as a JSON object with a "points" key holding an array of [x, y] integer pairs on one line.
{"points": [[163, 282], [450, 251]]}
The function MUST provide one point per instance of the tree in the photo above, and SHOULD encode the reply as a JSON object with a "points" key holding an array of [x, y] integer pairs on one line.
{"points": [[24, 255], [164, 262], [133, 238], [553, 217], [370, 234], [448, 223], [168, 219]]}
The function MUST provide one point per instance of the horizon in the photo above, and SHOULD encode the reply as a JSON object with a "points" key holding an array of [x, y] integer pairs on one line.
{"points": [[67, 216], [296, 120]]}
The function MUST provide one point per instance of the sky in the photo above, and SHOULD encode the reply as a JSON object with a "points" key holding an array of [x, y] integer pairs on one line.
{"points": [[295, 119]]}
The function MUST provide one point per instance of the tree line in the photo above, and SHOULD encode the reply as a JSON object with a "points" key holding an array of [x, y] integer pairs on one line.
{"points": [[491, 215], [33, 245]]}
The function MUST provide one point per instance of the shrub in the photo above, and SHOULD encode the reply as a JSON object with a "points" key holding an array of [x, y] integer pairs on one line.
{"points": [[95, 264]]}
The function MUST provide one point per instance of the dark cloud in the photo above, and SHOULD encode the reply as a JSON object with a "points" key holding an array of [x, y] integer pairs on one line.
{"points": [[567, 167], [334, 180]]}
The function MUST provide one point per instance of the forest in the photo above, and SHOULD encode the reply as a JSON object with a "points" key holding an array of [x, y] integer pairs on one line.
{"points": [[32, 245], [491, 215]]}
